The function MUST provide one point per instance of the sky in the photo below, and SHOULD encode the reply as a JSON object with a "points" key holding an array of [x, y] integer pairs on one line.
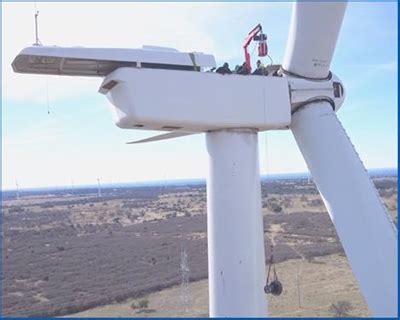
{"points": [[78, 142]]}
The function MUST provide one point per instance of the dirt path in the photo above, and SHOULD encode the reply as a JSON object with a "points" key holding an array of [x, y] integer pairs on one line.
{"points": [[274, 231]]}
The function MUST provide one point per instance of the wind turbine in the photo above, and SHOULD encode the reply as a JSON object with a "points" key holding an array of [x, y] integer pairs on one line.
{"points": [[17, 189], [72, 186], [98, 188], [164, 89]]}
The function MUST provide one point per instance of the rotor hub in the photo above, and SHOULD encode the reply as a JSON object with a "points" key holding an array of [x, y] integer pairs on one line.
{"points": [[304, 90]]}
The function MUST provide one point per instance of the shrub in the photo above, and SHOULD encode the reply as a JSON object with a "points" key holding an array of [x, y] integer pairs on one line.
{"points": [[119, 299], [143, 304], [276, 207], [133, 217], [116, 220], [316, 203], [341, 309], [16, 210], [47, 205]]}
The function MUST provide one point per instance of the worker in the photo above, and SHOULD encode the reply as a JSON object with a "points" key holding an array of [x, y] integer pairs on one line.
{"points": [[243, 69], [260, 70], [224, 69]]}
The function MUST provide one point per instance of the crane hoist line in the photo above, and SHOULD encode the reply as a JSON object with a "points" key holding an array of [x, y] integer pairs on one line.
{"points": [[274, 286]]}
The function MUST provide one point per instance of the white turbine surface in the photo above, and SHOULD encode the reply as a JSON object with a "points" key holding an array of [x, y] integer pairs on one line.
{"points": [[363, 226], [365, 229], [164, 136], [190, 100], [312, 38], [236, 256]]}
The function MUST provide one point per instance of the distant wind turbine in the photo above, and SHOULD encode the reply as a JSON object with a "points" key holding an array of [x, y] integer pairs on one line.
{"points": [[98, 188], [16, 183]]}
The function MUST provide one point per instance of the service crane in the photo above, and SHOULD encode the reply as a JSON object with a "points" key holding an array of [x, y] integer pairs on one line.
{"points": [[255, 34]]}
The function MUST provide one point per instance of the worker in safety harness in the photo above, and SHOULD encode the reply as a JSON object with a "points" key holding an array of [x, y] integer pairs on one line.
{"points": [[242, 69], [224, 69], [260, 71]]}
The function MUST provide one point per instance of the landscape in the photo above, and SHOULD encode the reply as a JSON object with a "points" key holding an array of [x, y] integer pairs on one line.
{"points": [[71, 252]]}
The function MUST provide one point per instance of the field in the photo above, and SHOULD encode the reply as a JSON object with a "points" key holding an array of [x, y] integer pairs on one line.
{"points": [[69, 252], [301, 297]]}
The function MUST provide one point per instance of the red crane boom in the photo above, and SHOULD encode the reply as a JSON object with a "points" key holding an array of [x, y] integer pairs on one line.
{"points": [[255, 34]]}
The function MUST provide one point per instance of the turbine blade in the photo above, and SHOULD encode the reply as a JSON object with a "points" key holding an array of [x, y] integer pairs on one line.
{"points": [[164, 136], [364, 227], [313, 33]]}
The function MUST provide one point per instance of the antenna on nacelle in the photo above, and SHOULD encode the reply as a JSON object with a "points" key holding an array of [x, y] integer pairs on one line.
{"points": [[37, 41]]}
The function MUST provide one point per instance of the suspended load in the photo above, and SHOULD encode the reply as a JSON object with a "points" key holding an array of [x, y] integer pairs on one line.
{"points": [[275, 286], [262, 44]]}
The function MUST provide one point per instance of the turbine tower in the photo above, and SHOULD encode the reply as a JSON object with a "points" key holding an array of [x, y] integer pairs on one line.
{"points": [[17, 190], [98, 188], [303, 95]]}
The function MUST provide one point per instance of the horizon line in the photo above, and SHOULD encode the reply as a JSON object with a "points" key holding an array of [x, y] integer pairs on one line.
{"points": [[161, 182]]}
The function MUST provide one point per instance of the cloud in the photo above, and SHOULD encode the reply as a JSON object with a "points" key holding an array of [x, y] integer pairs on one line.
{"points": [[46, 135], [391, 66], [39, 89], [385, 66], [184, 26], [96, 25]]}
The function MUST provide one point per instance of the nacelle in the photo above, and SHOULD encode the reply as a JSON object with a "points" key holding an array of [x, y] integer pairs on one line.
{"points": [[159, 88], [196, 101]]}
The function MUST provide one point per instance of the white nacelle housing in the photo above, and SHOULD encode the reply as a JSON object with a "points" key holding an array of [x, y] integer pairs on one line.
{"points": [[196, 101], [98, 62], [163, 89]]}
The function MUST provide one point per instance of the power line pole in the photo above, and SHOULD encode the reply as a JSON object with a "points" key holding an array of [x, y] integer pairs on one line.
{"points": [[298, 286], [185, 290]]}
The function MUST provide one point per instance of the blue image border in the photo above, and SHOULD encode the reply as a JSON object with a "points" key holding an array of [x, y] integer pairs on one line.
{"points": [[178, 1]]}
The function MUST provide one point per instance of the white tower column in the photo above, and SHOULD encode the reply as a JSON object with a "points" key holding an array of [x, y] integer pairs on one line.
{"points": [[236, 259]]}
